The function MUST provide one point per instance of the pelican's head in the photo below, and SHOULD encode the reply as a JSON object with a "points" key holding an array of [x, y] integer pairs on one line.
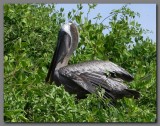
{"points": [[71, 29], [67, 41], [68, 38]]}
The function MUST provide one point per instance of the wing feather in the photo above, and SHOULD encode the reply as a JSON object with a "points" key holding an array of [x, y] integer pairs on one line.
{"points": [[101, 68], [91, 76]]}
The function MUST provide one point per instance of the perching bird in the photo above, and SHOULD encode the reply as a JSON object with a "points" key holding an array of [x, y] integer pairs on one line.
{"points": [[85, 78]]}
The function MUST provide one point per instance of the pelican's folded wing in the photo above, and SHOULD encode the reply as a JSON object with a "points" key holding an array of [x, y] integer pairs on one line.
{"points": [[93, 76]]}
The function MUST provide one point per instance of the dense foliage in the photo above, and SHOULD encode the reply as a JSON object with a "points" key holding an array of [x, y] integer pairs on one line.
{"points": [[30, 35]]}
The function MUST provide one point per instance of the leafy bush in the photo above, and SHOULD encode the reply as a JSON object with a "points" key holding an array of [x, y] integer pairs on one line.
{"points": [[30, 35]]}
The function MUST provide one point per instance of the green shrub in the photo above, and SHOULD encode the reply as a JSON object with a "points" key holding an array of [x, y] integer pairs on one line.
{"points": [[30, 36]]}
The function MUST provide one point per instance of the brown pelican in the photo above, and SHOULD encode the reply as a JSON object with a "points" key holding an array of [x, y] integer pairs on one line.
{"points": [[84, 78]]}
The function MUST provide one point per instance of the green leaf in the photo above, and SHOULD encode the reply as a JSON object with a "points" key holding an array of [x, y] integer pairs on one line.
{"points": [[5, 58], [44, 69]]}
